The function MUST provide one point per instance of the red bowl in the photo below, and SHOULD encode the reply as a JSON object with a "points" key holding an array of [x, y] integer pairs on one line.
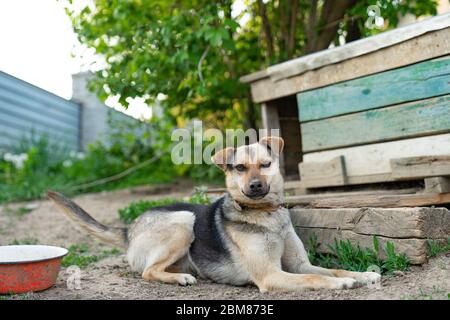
{"points": [[27, 268]]}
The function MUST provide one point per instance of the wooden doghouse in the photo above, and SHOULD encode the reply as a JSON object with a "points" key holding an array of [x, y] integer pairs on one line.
{"points": [[374, 111]]}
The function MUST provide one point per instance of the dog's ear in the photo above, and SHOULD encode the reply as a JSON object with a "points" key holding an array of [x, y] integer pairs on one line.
{"points": [[223, 158], [273, 144]]}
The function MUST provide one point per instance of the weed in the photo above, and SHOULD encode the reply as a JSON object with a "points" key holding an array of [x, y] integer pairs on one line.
{"points": [[436, 248], [21, 296], [19, 212], [435, 293], [124, 274], [348, 256], [24, 241], [135, 209], [394, 261], [78, 256]]}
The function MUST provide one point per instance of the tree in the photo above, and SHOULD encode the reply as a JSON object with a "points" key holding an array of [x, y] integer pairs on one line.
{"points": [[194, 51]]}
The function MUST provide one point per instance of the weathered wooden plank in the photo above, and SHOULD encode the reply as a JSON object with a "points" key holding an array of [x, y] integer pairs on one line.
{"points": [[429, 46], [437, 185], [372, 162], [378, 201], [291, 184], [418, 81], [389, 222], [271, 121], [269, 116], [313, 174], [415, 249], [420, 167], [420, 118]]}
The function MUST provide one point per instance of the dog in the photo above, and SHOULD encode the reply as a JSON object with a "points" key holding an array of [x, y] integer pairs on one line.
{"points": [[244, 237]]}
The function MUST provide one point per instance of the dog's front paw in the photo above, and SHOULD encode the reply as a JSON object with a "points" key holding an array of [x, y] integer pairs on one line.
{"points": [[369, 278], [185, 279], [345, 283]]}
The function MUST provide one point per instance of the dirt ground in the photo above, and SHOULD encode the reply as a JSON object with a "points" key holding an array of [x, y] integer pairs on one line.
{"points": [[111, 278]]}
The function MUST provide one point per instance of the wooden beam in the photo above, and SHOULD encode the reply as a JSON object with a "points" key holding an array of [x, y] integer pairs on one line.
{"points": [[316, 174], [379, 201], [428, 46], [408, 120], [416, 222], [437, 185], [415, 82], [420, 167]]}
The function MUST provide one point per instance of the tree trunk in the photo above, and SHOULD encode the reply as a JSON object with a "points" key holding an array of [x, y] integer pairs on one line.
{"points": [[267, 29], [310, 31], [332, 14], [292, 29]]}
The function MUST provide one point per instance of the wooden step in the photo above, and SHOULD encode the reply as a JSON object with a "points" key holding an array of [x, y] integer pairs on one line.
{"points": [[407, 228], [383, 200]]}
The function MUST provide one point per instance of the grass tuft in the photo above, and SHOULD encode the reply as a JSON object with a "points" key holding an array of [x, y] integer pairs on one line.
{"points": [[137, 208], [24, 241], [348, 256], [436, 248], [78, 256]]}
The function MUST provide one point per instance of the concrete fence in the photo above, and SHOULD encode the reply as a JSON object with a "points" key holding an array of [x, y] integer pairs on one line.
{"points": [[26, 110]]}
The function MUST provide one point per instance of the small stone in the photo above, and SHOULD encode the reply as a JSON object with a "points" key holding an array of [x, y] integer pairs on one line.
{"points": [[398, 273], [32, 206]]}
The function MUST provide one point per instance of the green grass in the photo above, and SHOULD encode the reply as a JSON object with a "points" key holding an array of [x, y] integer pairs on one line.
{"points": [[20, 296], [136, 208], [24, 241], [435, 293], [348, 256], [78, 255], [19, 212], [436, 248]]}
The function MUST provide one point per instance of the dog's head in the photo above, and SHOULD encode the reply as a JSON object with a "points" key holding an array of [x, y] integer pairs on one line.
{"points": [[252, 172]]}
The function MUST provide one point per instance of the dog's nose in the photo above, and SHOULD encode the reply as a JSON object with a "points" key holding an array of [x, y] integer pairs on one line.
{"points": [[255, 185]]}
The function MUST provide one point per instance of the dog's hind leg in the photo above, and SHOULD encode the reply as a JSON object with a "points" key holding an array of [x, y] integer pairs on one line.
{"points": [[165, 257], [161, 241]]}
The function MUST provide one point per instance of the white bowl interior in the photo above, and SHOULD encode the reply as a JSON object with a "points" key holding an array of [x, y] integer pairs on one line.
{"points": [[29, 253]]}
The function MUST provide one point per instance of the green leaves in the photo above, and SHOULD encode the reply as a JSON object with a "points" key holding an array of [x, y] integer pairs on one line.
{"points": [[349, 256], [137, 208], [195, 51], [78, 256]]}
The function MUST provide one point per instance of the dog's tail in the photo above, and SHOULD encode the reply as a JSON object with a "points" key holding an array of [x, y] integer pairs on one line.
{"points": [[116, 236]]}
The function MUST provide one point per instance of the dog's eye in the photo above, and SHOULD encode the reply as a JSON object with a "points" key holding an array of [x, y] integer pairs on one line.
{"points": [[265, 165], [240, 167]]}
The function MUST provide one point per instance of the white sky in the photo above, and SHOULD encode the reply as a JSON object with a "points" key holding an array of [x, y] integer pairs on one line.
{"points": [[37, 43]]}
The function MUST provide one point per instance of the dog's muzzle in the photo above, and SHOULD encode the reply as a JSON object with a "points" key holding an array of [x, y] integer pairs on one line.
{"points": [[256, 190]]}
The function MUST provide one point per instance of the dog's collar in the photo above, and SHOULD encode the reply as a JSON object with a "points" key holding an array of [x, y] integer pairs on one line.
{"points": [[263, 207]]}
